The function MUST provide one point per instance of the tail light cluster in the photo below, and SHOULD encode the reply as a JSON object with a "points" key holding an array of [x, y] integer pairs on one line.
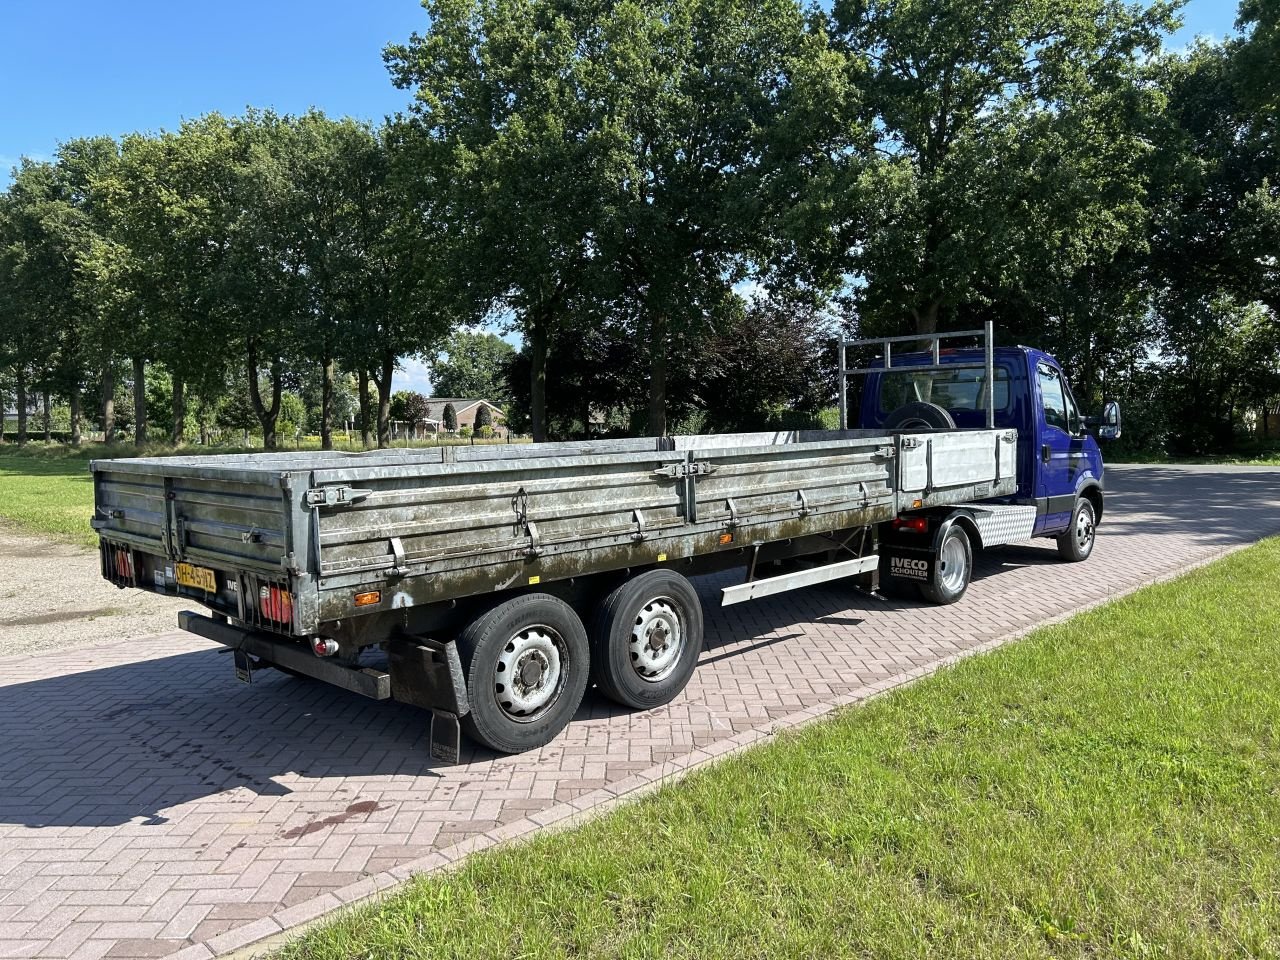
{"points": [[124, 562], [911, 524], [118, 565], [275, 604]]}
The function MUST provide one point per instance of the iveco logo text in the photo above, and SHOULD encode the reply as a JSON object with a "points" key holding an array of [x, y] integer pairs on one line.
{"points": [[909, 567]]}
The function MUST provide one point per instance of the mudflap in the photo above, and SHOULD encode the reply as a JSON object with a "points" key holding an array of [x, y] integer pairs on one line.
{"points": [[906, 564], [446, 736]]}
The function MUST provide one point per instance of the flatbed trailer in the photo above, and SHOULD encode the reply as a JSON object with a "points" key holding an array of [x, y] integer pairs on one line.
{"points": [[499, 580]]}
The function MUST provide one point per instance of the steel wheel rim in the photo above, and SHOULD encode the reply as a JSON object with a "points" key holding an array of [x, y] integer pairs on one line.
{"points": [[1084, 529], [657, 638], [952, 564], [530, 673]]}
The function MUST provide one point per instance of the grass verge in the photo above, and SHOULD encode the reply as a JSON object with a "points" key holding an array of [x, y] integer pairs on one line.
{"points": [[1105, 787], [49, 496]]}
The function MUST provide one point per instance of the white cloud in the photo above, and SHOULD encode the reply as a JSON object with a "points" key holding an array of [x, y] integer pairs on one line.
{"points": [[414, 375]]}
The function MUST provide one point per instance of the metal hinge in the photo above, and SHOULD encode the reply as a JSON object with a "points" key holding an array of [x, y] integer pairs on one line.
{"points": [[675, 471], [335, 496], [910, 443]]}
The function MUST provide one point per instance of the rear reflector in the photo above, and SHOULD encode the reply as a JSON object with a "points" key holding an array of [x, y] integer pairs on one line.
{"points": [[364, 599], [911, 524], [124, 563]]}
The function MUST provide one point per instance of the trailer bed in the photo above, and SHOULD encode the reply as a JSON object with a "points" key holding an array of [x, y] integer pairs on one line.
{"points": [[431, 525]]}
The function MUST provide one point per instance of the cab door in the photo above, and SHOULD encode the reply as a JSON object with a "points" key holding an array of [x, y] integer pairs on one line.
{"points": [[1057, 451]]}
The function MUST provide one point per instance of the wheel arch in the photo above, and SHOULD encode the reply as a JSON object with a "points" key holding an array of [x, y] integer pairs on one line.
{"points": [[964, 520], [1093, 493]]}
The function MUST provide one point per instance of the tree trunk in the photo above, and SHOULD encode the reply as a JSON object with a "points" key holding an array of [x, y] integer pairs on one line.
{"points": [[365, 437], [109, 403], [75, 414], [22, 405], [139, 401], [383, 380], [927, 319], [658, 376], [326, 405], [267, 416], [48, 417], [179, 411], [538, 382]]}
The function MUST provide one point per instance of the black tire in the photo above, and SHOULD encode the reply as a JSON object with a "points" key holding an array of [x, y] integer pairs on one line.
{"points": [[919, 415], [952, 570], [523, 637], [1076, 542], [627, 667]]}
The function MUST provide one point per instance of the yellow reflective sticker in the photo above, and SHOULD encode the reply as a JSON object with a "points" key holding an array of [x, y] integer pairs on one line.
{"points": [[661, 557]]}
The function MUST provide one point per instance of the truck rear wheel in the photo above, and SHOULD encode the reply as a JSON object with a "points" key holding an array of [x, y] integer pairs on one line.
{"points": [[952, 570], [1076, 542], [527, 662], [646, 638]]}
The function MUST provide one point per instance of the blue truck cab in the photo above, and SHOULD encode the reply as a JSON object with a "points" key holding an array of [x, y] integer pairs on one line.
{"points": [[1059, 463]]}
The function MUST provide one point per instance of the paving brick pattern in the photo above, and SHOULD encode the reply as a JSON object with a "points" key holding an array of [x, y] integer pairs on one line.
{"points": [[151, 805]]}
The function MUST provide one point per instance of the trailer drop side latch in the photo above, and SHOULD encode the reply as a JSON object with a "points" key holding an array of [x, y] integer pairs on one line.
{"points": [[335, 496]]}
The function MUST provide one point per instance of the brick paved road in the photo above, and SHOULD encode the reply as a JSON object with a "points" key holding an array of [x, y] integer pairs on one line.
{"points": [[151, 805]]}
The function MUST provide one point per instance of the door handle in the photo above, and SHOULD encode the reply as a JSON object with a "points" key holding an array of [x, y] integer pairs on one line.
{"points": [[1045, 453]]}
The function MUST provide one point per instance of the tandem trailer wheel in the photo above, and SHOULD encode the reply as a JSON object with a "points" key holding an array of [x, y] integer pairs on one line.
{"points": [[527, 662], [646, 638]]}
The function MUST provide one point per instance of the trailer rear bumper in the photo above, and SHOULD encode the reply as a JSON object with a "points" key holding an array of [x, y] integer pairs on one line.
{"points": [[375, 684]]}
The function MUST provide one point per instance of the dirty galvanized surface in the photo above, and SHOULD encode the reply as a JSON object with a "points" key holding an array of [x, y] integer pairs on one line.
{"points": [[432, 525], [151, 805]]}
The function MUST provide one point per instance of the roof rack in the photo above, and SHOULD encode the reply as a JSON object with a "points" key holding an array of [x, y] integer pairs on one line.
{"points": [[987, 333]]}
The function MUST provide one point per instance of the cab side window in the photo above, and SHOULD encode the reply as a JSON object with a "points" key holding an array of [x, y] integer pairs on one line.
{"points": [[1052, 396]]}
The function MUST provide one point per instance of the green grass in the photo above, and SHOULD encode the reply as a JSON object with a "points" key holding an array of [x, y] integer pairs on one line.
{"points": [[1109, 787], [51, 496], [1254, 453]]}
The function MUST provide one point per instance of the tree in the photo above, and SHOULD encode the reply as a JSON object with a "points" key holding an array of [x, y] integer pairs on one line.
{"points": [[1013, 140], [617, 160], [472, 365], [1216, 230], [450, 418], [484, 420], [508, 135], [397, 293]]}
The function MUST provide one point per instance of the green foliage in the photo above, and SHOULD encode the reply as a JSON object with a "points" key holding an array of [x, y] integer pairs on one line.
{"points": [[293, 416], [484, 418], [449, 417], [473, 365], [410, 406]]}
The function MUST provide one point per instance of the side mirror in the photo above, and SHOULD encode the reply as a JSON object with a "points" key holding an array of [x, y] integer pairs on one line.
{"points": [[1109, 425]]}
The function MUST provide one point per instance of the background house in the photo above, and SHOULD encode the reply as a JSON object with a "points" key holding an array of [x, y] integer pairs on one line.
{"points": [[466, 411]]}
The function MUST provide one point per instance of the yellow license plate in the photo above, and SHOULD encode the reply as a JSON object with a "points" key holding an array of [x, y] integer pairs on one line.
{"points": [[202, 578]]}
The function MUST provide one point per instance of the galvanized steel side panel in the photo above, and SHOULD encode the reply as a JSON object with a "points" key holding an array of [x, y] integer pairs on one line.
{"points": [[486, 509], [752, 484]]}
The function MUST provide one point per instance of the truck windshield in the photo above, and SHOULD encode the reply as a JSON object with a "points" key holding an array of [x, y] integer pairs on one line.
{"points": [[959, 389]]}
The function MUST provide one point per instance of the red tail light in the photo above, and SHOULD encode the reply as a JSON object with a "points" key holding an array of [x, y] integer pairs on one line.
{"points": [[276, 603], [911, 524], [124, 563]]}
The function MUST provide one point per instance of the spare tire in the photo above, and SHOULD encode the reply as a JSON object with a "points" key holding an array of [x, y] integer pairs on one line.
{"points": [[919, 415]]}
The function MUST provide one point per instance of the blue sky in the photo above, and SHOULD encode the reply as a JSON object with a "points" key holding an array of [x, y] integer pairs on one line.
{"points": [[71, 68], [77, 68]]}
